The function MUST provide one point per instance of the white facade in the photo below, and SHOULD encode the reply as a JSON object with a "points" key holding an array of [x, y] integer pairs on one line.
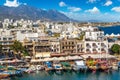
{"points": [[95, 41], [93, 33], [21, 36], [96, 46]]}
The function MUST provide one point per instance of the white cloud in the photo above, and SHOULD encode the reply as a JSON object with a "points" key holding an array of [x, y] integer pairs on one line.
{"points": [[24, 3], [116, 9], [62, 4], [70, 8], [108, 3], [91, 1], [13, 3], [93, 11], [74, 9]]}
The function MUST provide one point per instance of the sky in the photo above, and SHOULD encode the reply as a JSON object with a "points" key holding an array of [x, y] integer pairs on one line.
{"points": [[82, 10]]}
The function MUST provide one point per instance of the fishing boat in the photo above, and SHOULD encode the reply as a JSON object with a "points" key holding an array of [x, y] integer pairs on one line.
{"points": [[57, 67], [31, 69], [66, 66], [4, 74], [48, 66], [39, 67]]}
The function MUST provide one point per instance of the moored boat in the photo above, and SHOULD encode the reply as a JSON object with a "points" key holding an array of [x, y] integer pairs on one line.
{"points": [[48, 66], [66, 66], [79, 65]]}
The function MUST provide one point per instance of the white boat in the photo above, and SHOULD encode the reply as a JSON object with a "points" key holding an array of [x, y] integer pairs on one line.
{"points": [[79, 65], [39, 67], [31, 69], [57, 66]]}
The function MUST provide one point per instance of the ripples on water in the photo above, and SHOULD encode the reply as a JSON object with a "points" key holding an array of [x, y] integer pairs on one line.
{"points": [[42, 75]]}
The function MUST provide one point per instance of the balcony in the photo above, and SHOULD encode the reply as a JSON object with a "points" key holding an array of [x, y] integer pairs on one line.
{"points": [[88, 46], [95, 46], [103, 50], [103, 45], [88, 51], [95, 51], [28, 43]]}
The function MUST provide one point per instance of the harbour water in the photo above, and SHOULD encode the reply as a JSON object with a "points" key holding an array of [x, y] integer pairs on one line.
{"points": [[110, 30], [42, 75]]}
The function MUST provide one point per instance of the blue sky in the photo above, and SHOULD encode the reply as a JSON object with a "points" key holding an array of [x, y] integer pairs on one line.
{"points": [[83, 10]]}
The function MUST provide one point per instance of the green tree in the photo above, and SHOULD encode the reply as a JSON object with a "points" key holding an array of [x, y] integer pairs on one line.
{"points": [[17, 48], [115, 48], [25, 52]]}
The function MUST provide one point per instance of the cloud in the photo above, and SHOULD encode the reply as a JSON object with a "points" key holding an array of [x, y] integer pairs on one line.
{"points": [[91, 1], [24, 3], [13, 3], [74, 9], [116, 9], [62, 4], [108, 3], [70, 8], [93, 11]]}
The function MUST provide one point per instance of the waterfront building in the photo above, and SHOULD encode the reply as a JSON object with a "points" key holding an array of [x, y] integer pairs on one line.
{"points": [[42, 48], [80, 48], [68, 46], [42, 38], [95, 41], [28, 44], [55, 46], [6, 40]]}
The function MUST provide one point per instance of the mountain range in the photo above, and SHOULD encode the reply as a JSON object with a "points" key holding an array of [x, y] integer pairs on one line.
{"points": [[31, 13]]}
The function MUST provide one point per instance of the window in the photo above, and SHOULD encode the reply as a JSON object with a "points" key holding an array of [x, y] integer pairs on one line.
{"points": [[4, 38], [10, 38]]}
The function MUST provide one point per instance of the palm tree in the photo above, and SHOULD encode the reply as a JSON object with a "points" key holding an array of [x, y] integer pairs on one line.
{"points": [[17, 47]]}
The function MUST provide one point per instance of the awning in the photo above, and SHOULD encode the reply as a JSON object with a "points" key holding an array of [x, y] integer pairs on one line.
{"points": [[73, 57], [11, 61], [98, 56], [27, 57], [36, 60], [54, 58], [43, 54], [61, 58], [57, 54]]}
